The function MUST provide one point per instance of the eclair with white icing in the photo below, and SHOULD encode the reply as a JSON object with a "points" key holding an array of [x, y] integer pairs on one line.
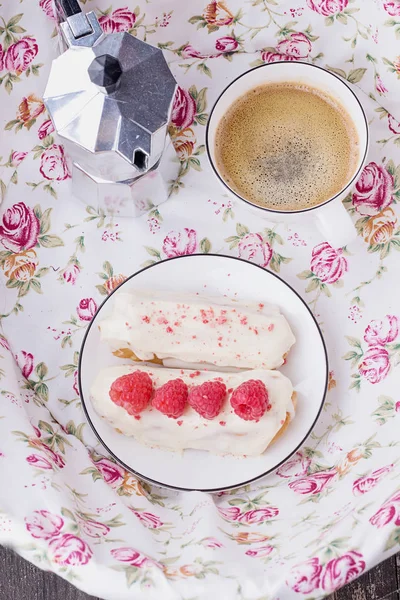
{"points": [[224, 433], [192, 329]]}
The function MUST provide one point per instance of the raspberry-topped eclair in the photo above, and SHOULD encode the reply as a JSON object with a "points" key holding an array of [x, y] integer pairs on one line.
{"points": [[191, 328], [224, 413]]}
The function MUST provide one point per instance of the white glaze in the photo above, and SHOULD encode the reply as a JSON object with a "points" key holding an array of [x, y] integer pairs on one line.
{"points": [[195, 329], [237, 437]]}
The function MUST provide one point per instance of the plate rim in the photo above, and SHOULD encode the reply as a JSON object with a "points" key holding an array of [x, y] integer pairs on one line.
{"points": [[175, 487]]}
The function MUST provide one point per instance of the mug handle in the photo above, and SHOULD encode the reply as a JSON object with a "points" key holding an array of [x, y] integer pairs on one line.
{"points": [[335, 224]]}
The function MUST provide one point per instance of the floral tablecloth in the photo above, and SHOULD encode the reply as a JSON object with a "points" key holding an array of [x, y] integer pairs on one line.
{"points": [[333, 510]]}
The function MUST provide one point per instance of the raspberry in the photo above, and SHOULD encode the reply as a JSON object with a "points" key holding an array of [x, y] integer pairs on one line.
{"points": [[250, 400], [132, 392], [207, 398], [171, 398]]}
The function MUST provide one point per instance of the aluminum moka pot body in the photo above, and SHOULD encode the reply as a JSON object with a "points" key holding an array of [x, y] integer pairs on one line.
{"points": [[110, 99]]}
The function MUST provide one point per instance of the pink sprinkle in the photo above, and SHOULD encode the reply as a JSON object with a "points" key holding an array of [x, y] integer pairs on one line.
{"points": [[282, 422], [255, 330], [219, 344], [169, 330], [162, 321], [220, 339], [179, 423], [205, 321], [137, 417], [243, 321], [271, 327], [177, 324], [261, 306], [193, 374], [223, 423], [230, 390], [194, 337], [146, 319]]}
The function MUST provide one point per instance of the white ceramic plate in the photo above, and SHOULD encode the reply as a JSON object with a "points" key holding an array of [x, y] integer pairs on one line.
{"points": [[307, 367]]}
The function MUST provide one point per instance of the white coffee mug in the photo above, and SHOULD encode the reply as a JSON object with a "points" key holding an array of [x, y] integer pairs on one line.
{"points": [[330, 217]]}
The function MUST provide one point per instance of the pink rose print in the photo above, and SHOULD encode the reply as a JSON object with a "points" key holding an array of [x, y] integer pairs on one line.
{"points": [[86, 309], [70, 273], [111, 473], [94, 529], [253, 248], [4, 343], [47, 7], [70, 550], [183, 110], [297, 45], [20, 228], [260, 552], [121, 19], [259, 515], [375, 364], [384, 515], [190, 52], [25, 363], [379, 333], [17, 158], [226, 44], [37, 431], [20, 55], [44, 525], [327, 7], [328, 264], [313, 484], [211, 542], [149, 520], [365, 484], [392, 8], [304, 578], [45, 129], [268, 56], [373, 190], [340, 571], [39, 462], [394, 125], [133, 557], [53, 164], [380, 86], [397, 407], [231, 514], [1, 58], [180, 243], [55, 458], [295, 467]]}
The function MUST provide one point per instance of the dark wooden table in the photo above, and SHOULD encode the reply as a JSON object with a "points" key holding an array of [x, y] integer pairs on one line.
{"points": [[19, 580]]}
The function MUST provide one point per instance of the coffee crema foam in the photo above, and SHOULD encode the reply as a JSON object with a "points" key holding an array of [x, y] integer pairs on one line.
{"points": [[286, 146]]}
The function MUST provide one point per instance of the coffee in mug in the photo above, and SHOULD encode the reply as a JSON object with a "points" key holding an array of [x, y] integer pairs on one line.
{"points": [[286, 146]]}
